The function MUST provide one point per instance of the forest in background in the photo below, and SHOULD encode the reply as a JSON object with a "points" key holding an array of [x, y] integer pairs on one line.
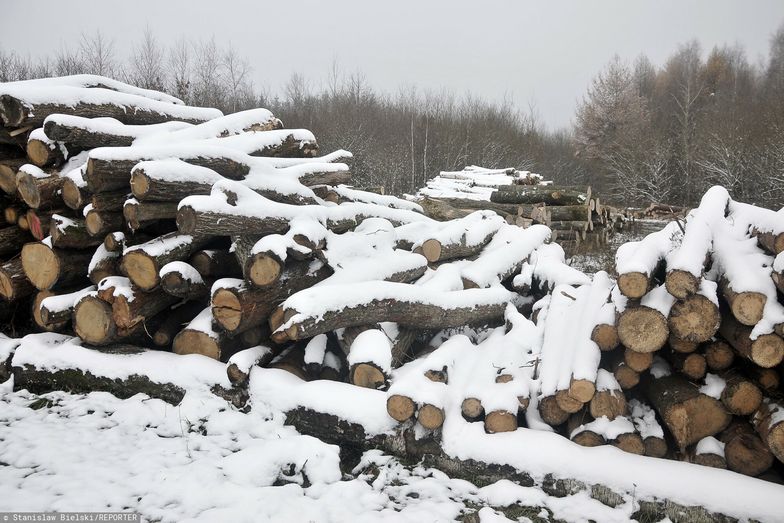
{"points": [[642, 133]]}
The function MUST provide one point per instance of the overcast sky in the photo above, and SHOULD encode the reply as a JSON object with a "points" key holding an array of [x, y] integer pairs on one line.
{"points": [[544, 52]]}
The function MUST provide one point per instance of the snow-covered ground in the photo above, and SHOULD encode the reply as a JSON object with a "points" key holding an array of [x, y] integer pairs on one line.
{"points": [[205, 461]]}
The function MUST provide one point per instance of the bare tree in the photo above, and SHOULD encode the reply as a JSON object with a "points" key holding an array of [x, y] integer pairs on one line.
{"points": [[146, 66], [97, 53]]}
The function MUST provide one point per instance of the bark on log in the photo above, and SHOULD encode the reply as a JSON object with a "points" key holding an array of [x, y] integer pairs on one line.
{"points": [[37, 316], [239, 308], [568, 213], [688, 414], [142, 263], [141, 214], [435, 251], [441, 211], [60, 311], [767, 379], [694, 319], [100, 223], [94, 323], [767, 350], [405, 312], [177, 282], [102, 264], [199, 338], [129, 311], [38, 191], [642, 329], [46, 266], [18, 112], [744, 451], [68, 233], [215, 263], [538, 194], [44, 153], [14, 283], [111, 174], [152, 187], [11, 238], [772, 242], [109, 201]]}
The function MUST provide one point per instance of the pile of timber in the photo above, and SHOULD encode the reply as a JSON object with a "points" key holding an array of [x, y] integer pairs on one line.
{"points": [[573, 213], [660, 211], [152, 224]]}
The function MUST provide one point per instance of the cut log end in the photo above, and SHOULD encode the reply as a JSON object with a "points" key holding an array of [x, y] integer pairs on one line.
{"points": [[681, 284], [263, 270], [655, 447], [695, 419], [642, 329], [694, 319], [430, 416], [741, 397], [196, 342], [637, 361], [605, 336], [767, 351], [400, 408], [500, 421], [719, 356], [431, 250], [608, 403], [93, 321], [551, 412], [588, 438], [582, 390], [748, 307], [28, 190], [472, 409], [140, 184], [630, 442], [72, 196], [41, 265], [710, 460], [567, 403], [367, 375], [633, 285], [226, 309], [141, 269]]}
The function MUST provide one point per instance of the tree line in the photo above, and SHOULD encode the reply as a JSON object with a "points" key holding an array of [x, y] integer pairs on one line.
{"points": [[641, 133]]}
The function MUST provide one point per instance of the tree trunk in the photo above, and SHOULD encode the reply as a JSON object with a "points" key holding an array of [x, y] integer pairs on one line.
{"points": [[214, 263], [176, 281], [59, 310], [39, 191], [769, 423], [127, 311], [44, 153], [100, 223], [744, 451], [177, 318], [109, 201], [156, 187], [141, 214], [68, 233], [14, 283], [11, 239]]}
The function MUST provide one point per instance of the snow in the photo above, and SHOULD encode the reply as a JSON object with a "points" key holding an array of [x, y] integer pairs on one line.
{"points": [[162, 244], [120, 284], [252, 142], [710, 445], [778, 263], [112, 126], [188, 272], [643, 256], [247, 358], [475, 183], [316, 349], [659, 368], [175, 170], [52, 352], [220, 126], [203, 322], [70, 96], [714, 385], [378, 199], [472, 229], [505, 253], [698, 238], [63, 302], [658, 298], [280, 244], [101, 253], [747, 217], [372, 345], [547, 265], [93, 81], [605, 381], [608, 429], [34, 171], [645, 420]]}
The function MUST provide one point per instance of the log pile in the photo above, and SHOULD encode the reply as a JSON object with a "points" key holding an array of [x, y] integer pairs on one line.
{"points": [[574, 213], [228, 237]]}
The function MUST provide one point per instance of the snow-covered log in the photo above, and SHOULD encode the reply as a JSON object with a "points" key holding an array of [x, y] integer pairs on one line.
{"points": [[767, 350], [460, 238], [199, 337], [636, 262], [38, 188], [132, 306], [28, 105], [90, 133], [709, 452], [170, 180], [142, 263], [549, 195], [183, 281], [58, 308], [240, 363], [45, 152], [238, 306], [74, 190], [648, 428], [321, 309], [686, 264], [69, 233], [609, 400]]}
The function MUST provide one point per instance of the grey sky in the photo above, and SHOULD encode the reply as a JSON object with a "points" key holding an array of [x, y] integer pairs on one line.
{"points": [[545, 51]]}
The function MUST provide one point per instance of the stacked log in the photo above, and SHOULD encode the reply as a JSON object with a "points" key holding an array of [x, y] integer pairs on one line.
{"points": [[226, 237]]}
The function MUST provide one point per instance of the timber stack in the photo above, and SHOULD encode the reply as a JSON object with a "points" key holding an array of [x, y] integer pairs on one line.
{"points": [[574, 213], [134, 220]]}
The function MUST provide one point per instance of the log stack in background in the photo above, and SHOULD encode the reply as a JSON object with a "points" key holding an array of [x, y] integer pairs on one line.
{"points": [[574, 213], [133, 219]]}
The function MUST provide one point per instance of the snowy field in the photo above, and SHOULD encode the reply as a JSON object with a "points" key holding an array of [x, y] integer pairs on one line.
{"points": [[202, 461]]}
